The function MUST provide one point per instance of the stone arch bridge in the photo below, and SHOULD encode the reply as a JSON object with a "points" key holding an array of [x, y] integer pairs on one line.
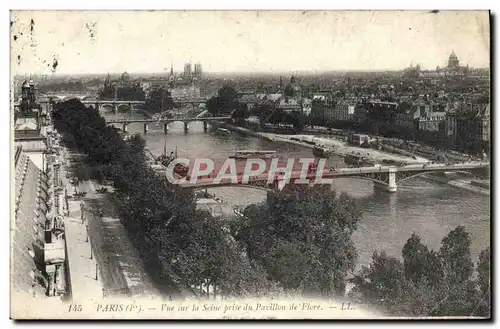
{"points": [[114, 103], [146, 122]]}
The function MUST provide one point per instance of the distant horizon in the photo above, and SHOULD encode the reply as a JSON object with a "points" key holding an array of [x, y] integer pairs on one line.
{"points": [[287, 73]]}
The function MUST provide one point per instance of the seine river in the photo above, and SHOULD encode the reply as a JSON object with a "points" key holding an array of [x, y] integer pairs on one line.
{"points": [[419, 206]]}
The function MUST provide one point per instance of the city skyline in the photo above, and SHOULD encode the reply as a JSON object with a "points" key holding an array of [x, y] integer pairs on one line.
{"points": [[244, 41]]}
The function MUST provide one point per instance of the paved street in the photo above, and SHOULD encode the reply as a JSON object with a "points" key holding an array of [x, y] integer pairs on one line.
{"points": [[84, 283], [121, 270]]}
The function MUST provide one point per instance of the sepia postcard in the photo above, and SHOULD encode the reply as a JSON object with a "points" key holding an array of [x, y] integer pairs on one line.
{"points": [[250, 164]]}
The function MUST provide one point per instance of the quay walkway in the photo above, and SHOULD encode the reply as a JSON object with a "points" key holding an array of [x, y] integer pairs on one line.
{"points": [[85, 281], [120, 269], [83, 270]]}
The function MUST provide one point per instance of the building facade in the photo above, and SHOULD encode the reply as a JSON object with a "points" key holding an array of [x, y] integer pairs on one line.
{"points": [[187, 70], [185, 93], [451, 125], [381, 111], [197, 71], [407, 115], [28, 96], [344, 110], [485, 124], [466, 123], [430, 121]]}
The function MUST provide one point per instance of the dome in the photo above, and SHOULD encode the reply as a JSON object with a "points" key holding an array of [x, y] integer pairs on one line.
{"points": [[125, 76], [453, 60]]}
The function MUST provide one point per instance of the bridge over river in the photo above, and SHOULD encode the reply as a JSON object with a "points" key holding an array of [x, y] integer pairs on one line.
{"points": [[385, 177], [166, 121], [114, 103]]}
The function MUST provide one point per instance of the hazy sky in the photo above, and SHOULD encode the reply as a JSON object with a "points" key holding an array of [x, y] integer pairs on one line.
{"points": [[231, 41]]}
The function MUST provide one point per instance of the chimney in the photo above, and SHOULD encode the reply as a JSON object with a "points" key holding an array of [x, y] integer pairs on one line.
{"points": [[48, 231], [48, 236]]}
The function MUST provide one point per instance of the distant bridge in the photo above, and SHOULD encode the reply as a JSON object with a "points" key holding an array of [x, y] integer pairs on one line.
{"points": [[60, 98], [96, 103], [114, 103], [385, 177], [166, 121]]}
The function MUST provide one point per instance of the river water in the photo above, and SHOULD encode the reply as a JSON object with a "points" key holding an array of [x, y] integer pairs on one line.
{"points": [[420, 206]]}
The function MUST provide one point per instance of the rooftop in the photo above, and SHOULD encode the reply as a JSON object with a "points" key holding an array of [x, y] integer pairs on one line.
{"points": [[27, 226]]}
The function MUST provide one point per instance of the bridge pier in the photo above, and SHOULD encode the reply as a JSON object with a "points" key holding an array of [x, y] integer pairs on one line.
{"points": [[391, 187], [115, 107], [146, 128], [97, 106], [205, 126], [186, 127], [165, 128], [124, 127], [131, 106]]}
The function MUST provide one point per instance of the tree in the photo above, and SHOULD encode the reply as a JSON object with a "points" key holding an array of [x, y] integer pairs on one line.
{"points": [[287, 264], [484, 271], [159, 100], [226, 102], [484, 283], [213, 106], [132, 92], [164, 225], [381, 283], [455, 256], [427, 283], [227, 94], [420, 263], [241, 113], [296, 119], [302, 238], [227, 99]]}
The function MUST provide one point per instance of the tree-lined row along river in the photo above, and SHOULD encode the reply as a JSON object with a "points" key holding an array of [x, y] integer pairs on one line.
{"points": [[420, 206]]}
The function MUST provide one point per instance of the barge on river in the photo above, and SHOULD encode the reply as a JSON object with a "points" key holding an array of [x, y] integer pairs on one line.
{"points": [[357, 160], [254, 154], [322, 152]]}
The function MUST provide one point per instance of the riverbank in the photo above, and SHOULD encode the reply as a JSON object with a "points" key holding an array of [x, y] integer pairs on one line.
{"points": [[465, 184], [341, 148], [468, 185], [338, 147]]}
